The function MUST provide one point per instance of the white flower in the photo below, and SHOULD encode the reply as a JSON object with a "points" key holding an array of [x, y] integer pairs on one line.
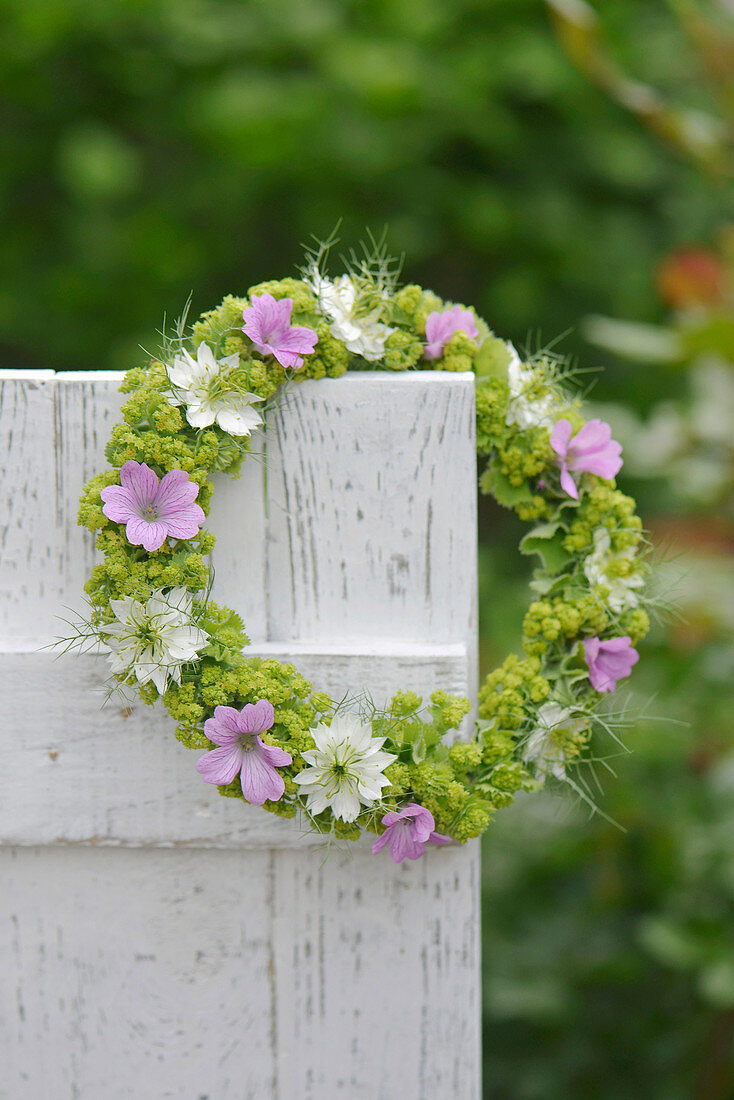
{"points": [[527, 410], [363, 333], [622, 593], [542, 748], [346, 768], [201, 385], [153, 639]]}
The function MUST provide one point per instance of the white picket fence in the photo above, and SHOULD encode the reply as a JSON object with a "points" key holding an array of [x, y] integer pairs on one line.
{"points": [[158, 940]]}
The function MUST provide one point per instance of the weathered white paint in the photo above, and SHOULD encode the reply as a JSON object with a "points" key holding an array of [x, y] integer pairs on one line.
{"points": [[218, 955]]}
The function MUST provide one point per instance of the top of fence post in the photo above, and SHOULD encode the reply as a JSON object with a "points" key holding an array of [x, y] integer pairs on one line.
{"points": [[349, 547]]}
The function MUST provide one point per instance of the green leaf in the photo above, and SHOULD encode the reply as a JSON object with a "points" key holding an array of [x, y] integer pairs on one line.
{"points": [[546, 540], [493, 358], [717, 983], [496, 484]]}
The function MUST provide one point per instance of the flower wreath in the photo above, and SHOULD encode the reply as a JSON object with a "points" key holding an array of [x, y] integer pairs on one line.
{"points": [[268, 737]]}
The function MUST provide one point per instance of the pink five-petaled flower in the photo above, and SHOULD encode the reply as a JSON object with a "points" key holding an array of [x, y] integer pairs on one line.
{"points": [[440, 327], [268, 324], [153, 509], [241, 750], [408, 831], [592, 450], [609, 661]]}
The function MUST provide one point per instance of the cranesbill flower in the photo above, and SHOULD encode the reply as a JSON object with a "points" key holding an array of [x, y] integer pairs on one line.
{"points": [[240, 751], [440, 327], [154, 639], [205, 386], [268, 324], [152, 509], [408, 831], [609, 661], [592, 450], [603, 566], [346, 768]]}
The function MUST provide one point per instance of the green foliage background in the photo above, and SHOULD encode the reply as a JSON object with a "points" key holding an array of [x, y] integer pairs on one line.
{"points": [[152, 147]]}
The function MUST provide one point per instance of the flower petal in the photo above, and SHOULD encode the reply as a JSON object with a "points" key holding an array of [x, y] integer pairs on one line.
{"points": [[275, 756], [259, 780], [224, 727], [140, 481], [381, 842], [220, 765], [119, 503], [560, 437], [257, 717], [150, 536]]}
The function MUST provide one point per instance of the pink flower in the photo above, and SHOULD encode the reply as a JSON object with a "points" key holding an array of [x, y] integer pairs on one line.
{"points": [[241, 750], [153, 509], [268, 324], [609, 661], [440, 327], [592, 450], [408, 831]]}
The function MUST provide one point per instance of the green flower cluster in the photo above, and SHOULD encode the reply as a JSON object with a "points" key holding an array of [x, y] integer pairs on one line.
{"points": [[462, 782]]}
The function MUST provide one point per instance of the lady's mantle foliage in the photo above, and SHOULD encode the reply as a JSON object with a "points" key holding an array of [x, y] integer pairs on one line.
{"points": [[270, 739]]}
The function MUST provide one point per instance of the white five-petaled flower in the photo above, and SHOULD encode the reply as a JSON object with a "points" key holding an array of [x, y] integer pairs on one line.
{"points": [[622, 594], [346, 768], [201, 385], [363, 333], [153, 639], [542, 748], [526, 409]]}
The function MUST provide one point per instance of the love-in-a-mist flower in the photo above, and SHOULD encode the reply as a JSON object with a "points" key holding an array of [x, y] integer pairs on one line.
{"points": [[358, 326], [440, 327], [155, 638], [408, 831], [615, 570], [543, 748], [609, 661], [153, 508], [268, 325], [531, 404], [241, 752], [592, 450], [346, 768], [207, 387]]}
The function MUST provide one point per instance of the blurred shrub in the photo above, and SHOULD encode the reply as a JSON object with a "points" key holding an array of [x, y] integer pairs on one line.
{"points": [[608, 947], [153, 147]]}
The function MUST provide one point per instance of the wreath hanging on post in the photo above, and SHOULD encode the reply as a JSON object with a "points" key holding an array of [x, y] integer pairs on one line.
{"points": [[264, 735]]}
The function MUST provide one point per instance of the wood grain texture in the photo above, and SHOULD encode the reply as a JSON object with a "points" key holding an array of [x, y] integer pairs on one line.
{"points": [[184, 974], [160, 941], [117, 776]]}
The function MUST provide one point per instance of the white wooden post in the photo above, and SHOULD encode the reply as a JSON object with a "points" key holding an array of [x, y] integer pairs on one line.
{"points": [[158, 940]]}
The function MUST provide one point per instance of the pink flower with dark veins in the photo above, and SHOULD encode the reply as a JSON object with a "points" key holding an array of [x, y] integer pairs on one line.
{"points": [[408, 831], [240, 751], [153, 509], [268, 324], [440, 327], [609, 661], [592, 450]]}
